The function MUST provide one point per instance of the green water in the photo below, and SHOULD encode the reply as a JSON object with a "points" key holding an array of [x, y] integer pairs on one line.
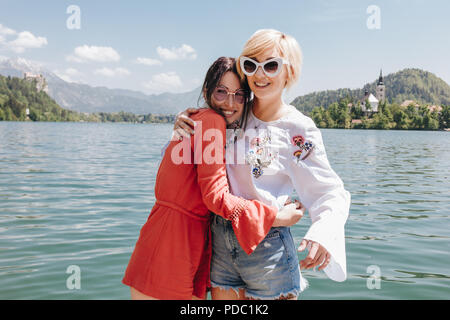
{"points": [[78, 194]]}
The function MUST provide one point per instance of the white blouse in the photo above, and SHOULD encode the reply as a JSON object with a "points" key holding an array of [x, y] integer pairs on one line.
{"points": [[271, 159]]}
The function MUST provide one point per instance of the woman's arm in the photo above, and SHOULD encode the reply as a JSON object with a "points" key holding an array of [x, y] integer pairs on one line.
{"points": [[184, 125], [322, 192]]}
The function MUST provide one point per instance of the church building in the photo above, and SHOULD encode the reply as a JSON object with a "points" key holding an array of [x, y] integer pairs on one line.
{"points": [[380, 96]]}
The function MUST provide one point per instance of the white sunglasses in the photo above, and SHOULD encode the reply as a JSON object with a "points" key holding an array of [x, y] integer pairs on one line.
{"points": [[271, 67]]}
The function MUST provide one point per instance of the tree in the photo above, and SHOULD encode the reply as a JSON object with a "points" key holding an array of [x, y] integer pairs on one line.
{"points": [[356, 111], [417, 122], [3, 99], [386, 110], [343, 117], [400, 118], [411, 111], [430, 123], [16, 107], [333, 111], [328, 120], [34, 114], [9, 115], [444, 117], [317, 116], [380, 121]]}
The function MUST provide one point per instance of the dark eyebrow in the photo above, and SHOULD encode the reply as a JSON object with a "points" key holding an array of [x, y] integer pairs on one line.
{"points": [[221, 85]]}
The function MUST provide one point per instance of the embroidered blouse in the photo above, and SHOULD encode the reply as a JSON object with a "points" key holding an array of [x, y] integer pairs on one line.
{"points": [[271, 159]]}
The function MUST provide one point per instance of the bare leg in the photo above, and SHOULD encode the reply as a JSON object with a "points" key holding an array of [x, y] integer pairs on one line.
{"points": [[230, 294]]}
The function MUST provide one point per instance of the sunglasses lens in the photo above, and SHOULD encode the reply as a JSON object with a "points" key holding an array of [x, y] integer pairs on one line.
{"points": [[220, 94], [239, 97], [249, 66], [271, 67]]}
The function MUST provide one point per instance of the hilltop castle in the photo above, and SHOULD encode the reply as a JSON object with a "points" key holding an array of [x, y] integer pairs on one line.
{"points": [[41, 83], [380, 96]]}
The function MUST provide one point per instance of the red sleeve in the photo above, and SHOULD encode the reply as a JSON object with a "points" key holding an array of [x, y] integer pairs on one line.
{"points": [[251, 219]]}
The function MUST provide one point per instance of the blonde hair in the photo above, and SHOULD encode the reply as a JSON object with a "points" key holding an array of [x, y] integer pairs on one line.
{"points": [[286, 45]]}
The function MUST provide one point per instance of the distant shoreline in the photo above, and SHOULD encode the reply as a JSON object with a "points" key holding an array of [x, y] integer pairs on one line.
{"points": [[171, 123]]}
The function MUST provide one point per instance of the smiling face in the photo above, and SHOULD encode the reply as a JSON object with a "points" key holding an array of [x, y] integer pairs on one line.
{"points": [[229, 106], [265, 87]]}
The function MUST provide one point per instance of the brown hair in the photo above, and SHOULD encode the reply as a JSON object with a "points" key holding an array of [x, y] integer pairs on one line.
{"points": [[212, 79]]}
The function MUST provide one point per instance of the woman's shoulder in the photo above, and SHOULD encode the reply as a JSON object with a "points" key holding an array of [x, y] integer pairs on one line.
{"points": [[208, 114], [296, 120]]}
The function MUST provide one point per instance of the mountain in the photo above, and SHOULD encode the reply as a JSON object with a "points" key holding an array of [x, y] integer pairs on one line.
{"points": [[407, 84], [20, 100], [85, 98]]}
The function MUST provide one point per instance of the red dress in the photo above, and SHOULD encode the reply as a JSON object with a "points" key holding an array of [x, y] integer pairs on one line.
{"points": [[171, 259]]}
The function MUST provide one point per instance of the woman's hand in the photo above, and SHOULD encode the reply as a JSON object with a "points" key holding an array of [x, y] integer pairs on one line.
{"points": [[183, 126], [289, 215], [317, 255]]}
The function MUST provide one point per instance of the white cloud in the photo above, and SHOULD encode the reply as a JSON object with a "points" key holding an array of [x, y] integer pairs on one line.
{"points": [[116, 72], [19, 41], [94, 53], [148, 61], [185, 52], [70, 75], [164, 82], [7, 31], [26, 40], [71, 58]]}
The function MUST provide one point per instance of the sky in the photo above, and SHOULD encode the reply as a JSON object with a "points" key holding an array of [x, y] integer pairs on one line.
{"points": [[167, 46]]}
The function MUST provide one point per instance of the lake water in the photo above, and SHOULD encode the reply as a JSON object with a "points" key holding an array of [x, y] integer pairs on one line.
{"points": [[78, 194]]}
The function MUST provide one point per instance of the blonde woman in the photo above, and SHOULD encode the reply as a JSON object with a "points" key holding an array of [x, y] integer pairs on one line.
{"points": [[280, 150]]}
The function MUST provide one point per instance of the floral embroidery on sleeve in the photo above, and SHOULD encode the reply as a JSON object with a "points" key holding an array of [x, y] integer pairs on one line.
{"points": [[305, 147]]}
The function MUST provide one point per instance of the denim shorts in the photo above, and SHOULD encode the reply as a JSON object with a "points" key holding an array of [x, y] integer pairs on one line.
{"points": [[271, 271]]}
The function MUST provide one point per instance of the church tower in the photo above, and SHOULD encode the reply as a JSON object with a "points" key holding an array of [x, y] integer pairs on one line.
{"points": [[381, 94]]}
